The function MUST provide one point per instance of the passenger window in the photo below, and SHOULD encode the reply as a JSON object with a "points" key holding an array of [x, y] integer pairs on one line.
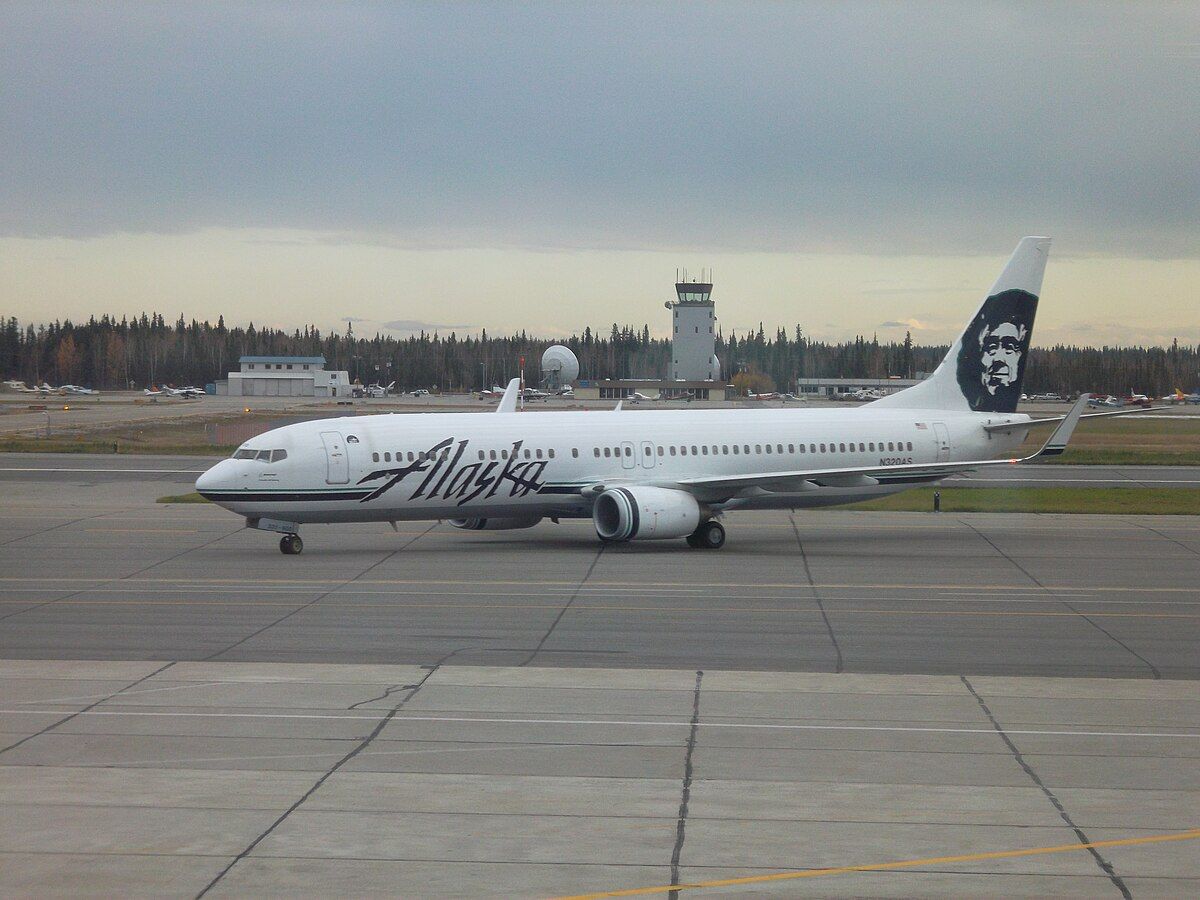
{"points": [[482, 455], [660, 451], [575, 453], [504, 454], [596, 450], [550, 453], [768, 448], [779, 448], [607, 452], [387, 457], [724, 449], [842, 448], [410, 455], [862, 448], [492, 454], [822, 448], [890, 447], [735, 450], [746, 449], [812, 448], [374, 457], [629, 451], [872, 446], [800, 445], [683, 450], [704, 450], [528, 454], [672, 449], [539, 453], [910, 445]]}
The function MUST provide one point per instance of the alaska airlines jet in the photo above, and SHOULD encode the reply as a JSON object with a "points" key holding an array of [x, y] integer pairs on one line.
{"points": [[652, 475]]}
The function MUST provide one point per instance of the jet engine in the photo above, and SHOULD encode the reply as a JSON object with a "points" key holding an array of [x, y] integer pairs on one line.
{"points": [[641, 513], [496, 524]]}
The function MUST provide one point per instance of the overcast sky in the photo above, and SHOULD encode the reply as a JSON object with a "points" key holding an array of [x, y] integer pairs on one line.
{"points": [[852, 167]]}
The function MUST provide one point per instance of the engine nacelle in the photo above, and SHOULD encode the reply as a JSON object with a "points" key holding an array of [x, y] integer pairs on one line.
{"points": [[641, 513], [496, 524]]}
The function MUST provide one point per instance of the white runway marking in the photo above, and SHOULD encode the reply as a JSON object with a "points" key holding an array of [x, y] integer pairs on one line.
{"points": [[635, 723]]}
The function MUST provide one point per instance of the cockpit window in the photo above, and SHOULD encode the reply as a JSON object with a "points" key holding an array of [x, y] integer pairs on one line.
{"points": [[277, 455], [245, 453], [264, 456], [267, 456]]}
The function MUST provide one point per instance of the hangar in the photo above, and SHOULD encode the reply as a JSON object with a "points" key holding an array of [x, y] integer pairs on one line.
{"points": [[285, 376]]}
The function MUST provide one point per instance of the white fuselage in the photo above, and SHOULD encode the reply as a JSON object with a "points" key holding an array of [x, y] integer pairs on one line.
{"points": [[442, 466]]}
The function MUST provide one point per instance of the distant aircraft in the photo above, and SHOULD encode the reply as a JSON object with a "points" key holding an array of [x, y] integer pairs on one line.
{"points": [[1178, 397], [186, 393], [1107, 400], [534, 394], [76, 389], [20, 387], [379, 391], [152, 391], [639, 397], [868, 394], [768, 395]]}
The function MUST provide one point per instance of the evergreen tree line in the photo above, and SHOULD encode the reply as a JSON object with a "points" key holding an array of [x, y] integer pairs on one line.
{"points": [[108, 354]]}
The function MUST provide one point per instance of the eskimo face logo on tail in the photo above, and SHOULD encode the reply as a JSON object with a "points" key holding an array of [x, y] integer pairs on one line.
{"points": [[995, 349]]}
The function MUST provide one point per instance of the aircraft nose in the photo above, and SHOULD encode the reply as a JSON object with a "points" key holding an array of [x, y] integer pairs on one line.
{"points": [[215, 478]]}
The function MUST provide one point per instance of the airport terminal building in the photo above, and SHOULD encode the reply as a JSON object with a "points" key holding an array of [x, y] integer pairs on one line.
{"points": [[285, 376]]}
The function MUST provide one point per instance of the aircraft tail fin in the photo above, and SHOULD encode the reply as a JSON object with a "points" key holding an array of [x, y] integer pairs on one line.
{"points": [[986, 365]]}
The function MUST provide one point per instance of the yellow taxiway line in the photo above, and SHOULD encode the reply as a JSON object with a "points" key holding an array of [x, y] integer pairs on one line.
{"points": [[887, 866]]}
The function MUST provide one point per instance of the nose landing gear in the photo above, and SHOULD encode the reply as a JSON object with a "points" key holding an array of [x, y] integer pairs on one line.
{"points": [[290, 544], [710, 535]]}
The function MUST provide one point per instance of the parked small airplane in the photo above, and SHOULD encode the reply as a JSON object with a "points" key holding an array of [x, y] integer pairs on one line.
{"points": [[1180, 397], [20, 387], [379, 391], [76, 389], [639, 397], [768, 395]]}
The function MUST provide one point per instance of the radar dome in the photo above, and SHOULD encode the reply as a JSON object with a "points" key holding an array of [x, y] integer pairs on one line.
{"points": [[559, 366]]}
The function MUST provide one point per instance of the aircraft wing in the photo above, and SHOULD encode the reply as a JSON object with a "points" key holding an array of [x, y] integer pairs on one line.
{"points": [[865, 475], [1009, 426]]}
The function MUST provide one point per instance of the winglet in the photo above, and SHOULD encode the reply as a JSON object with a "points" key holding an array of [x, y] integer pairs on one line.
{"points": [[1062, 434], [508, 403]]}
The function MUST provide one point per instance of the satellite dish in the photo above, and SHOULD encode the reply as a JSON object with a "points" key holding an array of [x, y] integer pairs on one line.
{"points": [[559, 366]]}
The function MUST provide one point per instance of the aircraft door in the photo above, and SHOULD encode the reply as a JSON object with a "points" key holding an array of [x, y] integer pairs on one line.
{"points": [[337, 465], [627, 455], [647, 455], [943, 441]]}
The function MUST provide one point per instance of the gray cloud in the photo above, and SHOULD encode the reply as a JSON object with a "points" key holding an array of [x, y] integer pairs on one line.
{"points": [[818, 127], [418, 325]]}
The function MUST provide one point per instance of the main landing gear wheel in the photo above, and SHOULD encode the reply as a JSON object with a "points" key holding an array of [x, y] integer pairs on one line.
{"points": [[291, 544], [709, 536]]}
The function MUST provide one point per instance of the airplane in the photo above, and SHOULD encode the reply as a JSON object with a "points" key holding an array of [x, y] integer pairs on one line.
{"points": [[76, 389], [152, 391], [668, 474], [534, 394], [379, 391], [493, 393], [1178, 397], [866, 394], [769, 395], [187, 393], [20, 387], [639, 397]]}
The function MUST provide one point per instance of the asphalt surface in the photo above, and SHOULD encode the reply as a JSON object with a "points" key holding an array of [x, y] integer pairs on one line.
{"points": [[187, 712], [93, 568]]}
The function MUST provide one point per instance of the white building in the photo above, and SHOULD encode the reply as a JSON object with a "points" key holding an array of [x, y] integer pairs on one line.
{"points": [[286, 376], [694, 333]]}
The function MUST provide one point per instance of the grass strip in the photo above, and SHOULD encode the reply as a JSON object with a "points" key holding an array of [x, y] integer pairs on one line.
{"points": [[1096, 500]]}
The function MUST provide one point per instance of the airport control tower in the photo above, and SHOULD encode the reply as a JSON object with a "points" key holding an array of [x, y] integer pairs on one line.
{"points": [[693, 335]]}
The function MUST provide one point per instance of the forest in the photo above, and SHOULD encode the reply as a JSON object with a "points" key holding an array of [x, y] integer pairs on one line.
{"points": [[112, 354]]}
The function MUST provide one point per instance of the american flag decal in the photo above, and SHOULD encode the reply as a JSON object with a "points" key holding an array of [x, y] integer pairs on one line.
{"points": [[922, 426]]}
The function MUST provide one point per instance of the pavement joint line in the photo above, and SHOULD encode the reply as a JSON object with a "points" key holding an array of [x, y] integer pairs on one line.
{"points": [[1154, 672], [1104, 864], [686, 792], [837, 650], [642, 723], [87, 709], [347, 757], [128, 693], [318, 599], [563, 611], [936, 861]]}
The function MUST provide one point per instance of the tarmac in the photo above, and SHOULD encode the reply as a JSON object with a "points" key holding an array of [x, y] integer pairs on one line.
{"points": [[962, 700]]}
